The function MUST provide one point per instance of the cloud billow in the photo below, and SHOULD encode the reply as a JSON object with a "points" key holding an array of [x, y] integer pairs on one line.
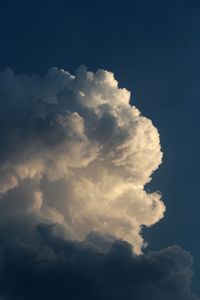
{"points": [[74, 160], [76, 153]]}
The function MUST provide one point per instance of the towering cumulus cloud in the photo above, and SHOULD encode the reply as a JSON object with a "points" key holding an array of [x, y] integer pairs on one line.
{"points": [[76, 153], [74, 159]]}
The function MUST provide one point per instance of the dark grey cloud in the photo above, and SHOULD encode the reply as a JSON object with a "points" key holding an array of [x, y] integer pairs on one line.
{"points": [[54, 268]]}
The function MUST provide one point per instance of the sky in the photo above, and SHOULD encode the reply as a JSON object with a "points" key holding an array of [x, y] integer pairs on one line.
{"points": [[152, 48]]}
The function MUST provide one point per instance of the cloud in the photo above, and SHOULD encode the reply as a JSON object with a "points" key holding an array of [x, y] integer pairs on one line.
{"points": [[74, 160], [76, 153], [54, 268]]}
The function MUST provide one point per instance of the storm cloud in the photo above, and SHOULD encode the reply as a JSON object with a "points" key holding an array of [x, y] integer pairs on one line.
{"points": [[75, 157]]}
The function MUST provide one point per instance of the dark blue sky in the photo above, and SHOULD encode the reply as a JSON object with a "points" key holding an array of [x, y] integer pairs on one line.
{"points": [[153, 49]]}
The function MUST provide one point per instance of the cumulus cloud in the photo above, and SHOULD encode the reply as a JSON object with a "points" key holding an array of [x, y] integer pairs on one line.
{"points": [[76, 153], [74, 160], [97, 268]]}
